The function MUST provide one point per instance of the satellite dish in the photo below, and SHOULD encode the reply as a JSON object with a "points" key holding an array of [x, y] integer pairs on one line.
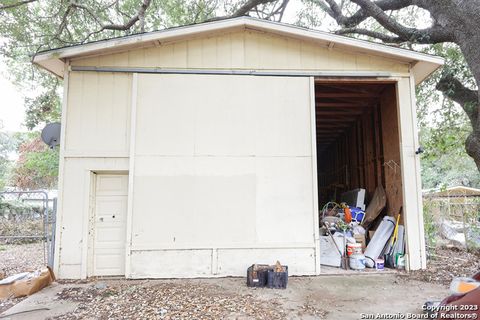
{"points": [[51, 134]]}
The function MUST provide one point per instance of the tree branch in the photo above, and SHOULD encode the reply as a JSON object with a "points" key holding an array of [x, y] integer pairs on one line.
{"points": [[434, 34], [385, 5], [16, 4], [377, 35], [251, 5], [335, 11], [466, 98], [376, 10], [248, 6], [138, 16]]}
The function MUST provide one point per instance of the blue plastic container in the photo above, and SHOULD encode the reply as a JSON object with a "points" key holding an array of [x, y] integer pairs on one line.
{"points": [[357, 214]]}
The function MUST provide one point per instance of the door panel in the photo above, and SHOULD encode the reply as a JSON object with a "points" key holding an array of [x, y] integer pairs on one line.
{"points": [[110, 225]]}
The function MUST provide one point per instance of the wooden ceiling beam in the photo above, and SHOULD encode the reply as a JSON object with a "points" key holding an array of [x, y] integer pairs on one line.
{"points": [[330, 132], [341, 104], [333, 125], [333, 135], [338, 119], [344, 109], [353, 89], [336, 113], [345, 95], [369, 102]]}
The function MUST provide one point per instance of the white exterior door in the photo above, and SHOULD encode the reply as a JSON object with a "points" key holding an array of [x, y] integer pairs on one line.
{"points": [[110, 225]]}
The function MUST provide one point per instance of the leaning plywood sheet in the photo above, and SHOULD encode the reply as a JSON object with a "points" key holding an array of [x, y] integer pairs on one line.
{"points": [[375, 206]]}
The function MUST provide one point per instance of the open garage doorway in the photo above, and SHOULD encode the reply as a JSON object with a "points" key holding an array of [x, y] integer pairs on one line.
{"points": [[358, 148]]}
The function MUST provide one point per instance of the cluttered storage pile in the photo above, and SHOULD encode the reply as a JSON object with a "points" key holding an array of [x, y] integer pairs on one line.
{"points": [[354, 237]]}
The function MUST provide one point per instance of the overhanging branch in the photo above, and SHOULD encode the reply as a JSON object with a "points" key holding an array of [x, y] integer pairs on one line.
{"points": [[252, 5], [434, 34], [386, 5], [465, 97], [335, 11], [377, 10], [16, 4], [248, 6], [377, 35]]}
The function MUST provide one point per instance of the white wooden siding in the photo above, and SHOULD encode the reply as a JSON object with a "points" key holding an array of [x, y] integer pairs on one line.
{"points": [[246, 50], [98, 119]]}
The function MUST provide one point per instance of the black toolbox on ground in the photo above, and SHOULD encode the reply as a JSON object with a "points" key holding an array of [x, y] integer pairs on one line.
{"points": [[257, 275], [264, 275]]}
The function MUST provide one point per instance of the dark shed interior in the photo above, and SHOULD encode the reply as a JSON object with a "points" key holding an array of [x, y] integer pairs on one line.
{"points": [[358, 140]]}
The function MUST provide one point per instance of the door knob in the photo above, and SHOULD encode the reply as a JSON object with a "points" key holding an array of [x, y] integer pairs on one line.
{"points": [[101, 219]]}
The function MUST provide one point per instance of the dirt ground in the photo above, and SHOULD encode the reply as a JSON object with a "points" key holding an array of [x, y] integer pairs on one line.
{"points": [[322, 297]]}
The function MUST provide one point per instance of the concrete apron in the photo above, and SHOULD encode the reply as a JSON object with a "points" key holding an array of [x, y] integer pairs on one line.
{"points": [[41, 305]]}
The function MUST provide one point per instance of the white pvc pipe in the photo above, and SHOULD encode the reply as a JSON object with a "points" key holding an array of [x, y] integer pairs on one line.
{"points": [[380, 238]]}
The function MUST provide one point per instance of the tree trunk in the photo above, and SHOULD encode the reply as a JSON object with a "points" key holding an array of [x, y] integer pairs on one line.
{"points": [[462, 17]]}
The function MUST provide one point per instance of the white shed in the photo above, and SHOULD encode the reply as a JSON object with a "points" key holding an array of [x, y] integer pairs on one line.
{"points": [[199, 150]]}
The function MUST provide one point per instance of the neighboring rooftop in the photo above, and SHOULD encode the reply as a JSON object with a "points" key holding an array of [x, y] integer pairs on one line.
{"points": [[452, 192]]}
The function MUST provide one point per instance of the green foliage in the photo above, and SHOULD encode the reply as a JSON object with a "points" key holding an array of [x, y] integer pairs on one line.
{"points": [[42, 109], [183, 12], [37, 165], [431, 232], [7, 145], [444, 127]]}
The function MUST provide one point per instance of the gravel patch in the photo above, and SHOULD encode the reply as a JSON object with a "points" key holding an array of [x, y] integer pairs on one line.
{"points": [[185, 299], [17, 258]]}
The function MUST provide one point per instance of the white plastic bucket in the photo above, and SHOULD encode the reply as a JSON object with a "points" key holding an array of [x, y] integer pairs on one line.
{"points": [[357, 261]]}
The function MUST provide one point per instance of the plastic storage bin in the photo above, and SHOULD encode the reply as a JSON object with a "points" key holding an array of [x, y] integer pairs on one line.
{"points": [[277, 280], [257, 275]]}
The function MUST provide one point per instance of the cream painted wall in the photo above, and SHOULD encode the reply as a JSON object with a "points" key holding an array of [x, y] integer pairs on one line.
{"points": [[223, 165], [246, 50], [98, 119]]}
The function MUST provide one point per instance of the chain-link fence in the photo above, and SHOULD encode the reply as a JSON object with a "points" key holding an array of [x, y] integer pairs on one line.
{"points": [[452, 221], [28, 216]]}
